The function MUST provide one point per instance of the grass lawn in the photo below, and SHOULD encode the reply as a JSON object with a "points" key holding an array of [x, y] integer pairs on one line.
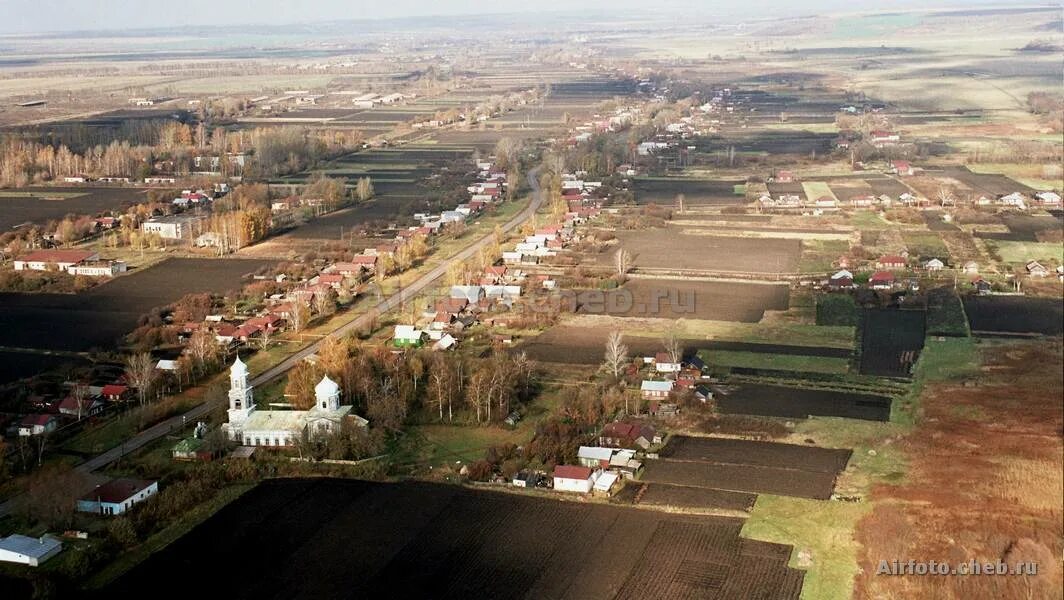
{"points": [[170, 534], [782, 362], [446, 444], [867, 219], [925, 244], [822, 535], [798, 334], [810, 127], [42, 194], [818, 255], [1021, 252], [816, 189], [951, 358]]}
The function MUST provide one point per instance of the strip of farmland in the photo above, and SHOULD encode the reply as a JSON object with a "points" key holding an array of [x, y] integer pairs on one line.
{"points": [[420, 540]]}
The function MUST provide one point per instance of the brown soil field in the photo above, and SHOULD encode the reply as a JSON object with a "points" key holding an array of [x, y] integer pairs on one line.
{"points": [[799, 403], [742, 478], [43, 204], [99, 317], [661, 298], [584, 345], [684, 497], [984, 483], [659, 249], [423, 540], [748, 452]]}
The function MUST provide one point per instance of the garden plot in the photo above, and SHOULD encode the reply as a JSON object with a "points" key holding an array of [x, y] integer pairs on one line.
{"points": [[419, 540], [657, 249]]}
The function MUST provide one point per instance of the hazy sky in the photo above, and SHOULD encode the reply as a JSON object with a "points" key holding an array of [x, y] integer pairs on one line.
{"points": [[26, 16]]}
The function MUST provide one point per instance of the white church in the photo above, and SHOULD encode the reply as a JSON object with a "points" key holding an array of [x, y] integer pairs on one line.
{"points": [[253, 427]]}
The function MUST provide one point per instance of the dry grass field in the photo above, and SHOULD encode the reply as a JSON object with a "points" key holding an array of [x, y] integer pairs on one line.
{"points": [[984, 483]]}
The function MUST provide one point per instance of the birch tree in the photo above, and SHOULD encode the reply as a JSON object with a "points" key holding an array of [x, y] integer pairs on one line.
{"points": [[616, 353], [140, 373]]}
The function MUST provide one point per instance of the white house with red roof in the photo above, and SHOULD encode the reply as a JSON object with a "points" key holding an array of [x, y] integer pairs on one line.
{"points": [[891, 262], [573, 478], [117, 496], [54, 260], [32, 425]]}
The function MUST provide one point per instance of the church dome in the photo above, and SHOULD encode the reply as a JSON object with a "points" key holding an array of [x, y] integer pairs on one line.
{"points": [[326, 388], [238, 366]]}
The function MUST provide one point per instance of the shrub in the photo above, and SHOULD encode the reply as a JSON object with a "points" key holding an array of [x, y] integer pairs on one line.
{"points": [[836, 309]]}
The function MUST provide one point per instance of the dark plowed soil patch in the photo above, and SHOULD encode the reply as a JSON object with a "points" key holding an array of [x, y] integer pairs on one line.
{"points": [[1014, 314], [298, 539], [798, 403]]}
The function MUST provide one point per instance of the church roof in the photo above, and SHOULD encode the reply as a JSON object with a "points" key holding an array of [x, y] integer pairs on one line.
{"points": [[326, 388], [238, 366]]}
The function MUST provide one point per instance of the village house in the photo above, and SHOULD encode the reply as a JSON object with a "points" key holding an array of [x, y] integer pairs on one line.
{"points": [[173, 227], [971, 268], [80, 407], [934, 265], [1015, 200], [605, 483], [663, 363], [982, 287], [655, 390], [54, 260], [1036, 269], [571, 478], [620, 434], [901, 168], [880, 138], [40, 424], [25, 550], [863, 201], [1051, 199], [98, 268], [117, 496], [891, 262], [594, 457], [114, 392], [881, 280], [408, 336], [842, 280]]}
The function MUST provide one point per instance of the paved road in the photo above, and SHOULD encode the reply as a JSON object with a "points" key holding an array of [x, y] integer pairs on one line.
{"points": [[409, 292]]}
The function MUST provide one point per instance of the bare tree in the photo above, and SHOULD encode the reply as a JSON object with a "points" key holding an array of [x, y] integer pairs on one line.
{"points": [[140, 373], [265, 337], [673, 345], [79, 393], [945, 196], [616, 353], [477, 391], [299, 316], [622, 262], [203, 349]]}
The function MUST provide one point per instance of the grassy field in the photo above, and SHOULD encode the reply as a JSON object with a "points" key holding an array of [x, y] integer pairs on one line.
{"points": [[798, 334], [817, 189], [782, 362], [1021, 252], [946, 360], [1030, 174], [43, 195], [867, 219], [925, 244], [818, 255], [810, 127], [822, 535]]}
